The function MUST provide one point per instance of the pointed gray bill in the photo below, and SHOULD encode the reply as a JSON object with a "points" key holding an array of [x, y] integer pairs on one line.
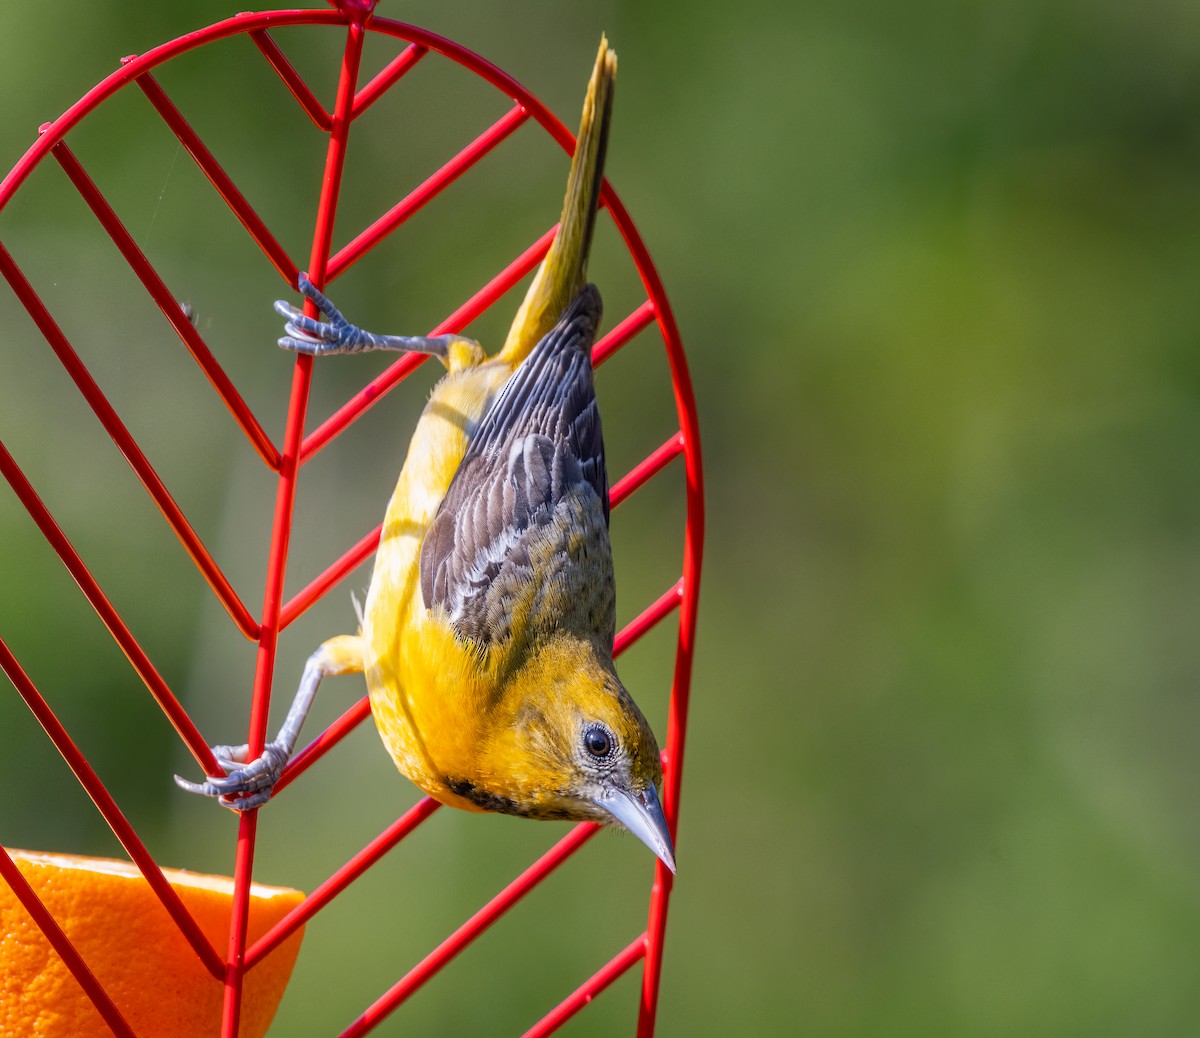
{"points": [[642, 815]]}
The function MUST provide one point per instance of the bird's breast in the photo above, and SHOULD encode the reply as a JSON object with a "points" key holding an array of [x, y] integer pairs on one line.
{"points": [[425, 685]]}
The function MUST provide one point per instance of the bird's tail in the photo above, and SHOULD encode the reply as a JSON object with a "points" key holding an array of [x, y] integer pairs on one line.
{"points": [[561, 275]]}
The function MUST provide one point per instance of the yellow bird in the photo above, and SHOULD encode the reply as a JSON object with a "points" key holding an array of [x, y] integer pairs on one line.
{"points": [[487, 635]]}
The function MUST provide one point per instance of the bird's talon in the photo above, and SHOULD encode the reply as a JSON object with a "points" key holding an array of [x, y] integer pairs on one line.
{"points": [[228, 784], [310, 291], [237, 754], [248, 784], [304, 334], [244, 803], [305, 327]]}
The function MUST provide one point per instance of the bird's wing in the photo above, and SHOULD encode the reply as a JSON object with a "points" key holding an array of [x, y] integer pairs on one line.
{"points": [[533, 474]]}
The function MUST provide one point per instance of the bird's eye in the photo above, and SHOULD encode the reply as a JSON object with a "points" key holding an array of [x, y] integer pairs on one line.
{"points": [[597, 741]]}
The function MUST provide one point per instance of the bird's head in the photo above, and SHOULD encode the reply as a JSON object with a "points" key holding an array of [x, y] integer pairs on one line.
{"points": [[586, 750]]}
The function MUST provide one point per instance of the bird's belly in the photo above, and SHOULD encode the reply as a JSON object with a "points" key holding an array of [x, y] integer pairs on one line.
{"points": [[425, 708], [413, 678], [423, 683]]}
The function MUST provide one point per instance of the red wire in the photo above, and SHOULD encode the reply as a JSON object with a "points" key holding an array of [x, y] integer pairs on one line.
{"points": [[622, 333], [426, 192], [107, 613], [219, 179], [387, 78], [112, 814], [470, 930], [341, 879], [292, 79], [693, 542], [285, 501], [644, 470], [168, 304], [125, 442], [612, 970]]}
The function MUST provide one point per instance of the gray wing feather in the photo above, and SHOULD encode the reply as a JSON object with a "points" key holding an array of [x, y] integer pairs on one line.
{"points": [[539, 443]]}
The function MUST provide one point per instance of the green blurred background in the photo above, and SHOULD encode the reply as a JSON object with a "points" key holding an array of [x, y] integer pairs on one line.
{"points": [[935, 268]]}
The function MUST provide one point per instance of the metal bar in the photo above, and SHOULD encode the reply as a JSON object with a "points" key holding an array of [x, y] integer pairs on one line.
{"points": [[167, 303], [622, 333], [108, 614], [62, 944], [340, 880], [246, 22], [650, 616], [676, 716], [219, 179], [293, 435], [343, 566], [324, 742], [660, 892], [125, 442], [387, 78], [363, 400], [470, 930], [112, 814], [617, 967], [292, 80], [391, 377], [430, 189], [499, 285], [693, 550], [243, 867], [645, 469], [285, 500]]}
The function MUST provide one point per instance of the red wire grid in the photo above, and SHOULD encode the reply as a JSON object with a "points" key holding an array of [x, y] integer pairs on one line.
{"points": [[356, 19]]}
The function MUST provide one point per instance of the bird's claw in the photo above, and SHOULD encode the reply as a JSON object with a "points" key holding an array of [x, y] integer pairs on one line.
{"points": [[308, 335], [248, 785], [231, 758], [304, 334]]}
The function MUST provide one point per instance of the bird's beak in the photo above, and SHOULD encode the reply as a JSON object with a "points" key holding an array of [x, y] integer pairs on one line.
{"points": [[642, 814]]}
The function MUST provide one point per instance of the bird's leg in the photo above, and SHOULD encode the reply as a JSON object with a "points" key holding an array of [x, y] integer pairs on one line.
{"points": [[337, 335], [249, 783]]}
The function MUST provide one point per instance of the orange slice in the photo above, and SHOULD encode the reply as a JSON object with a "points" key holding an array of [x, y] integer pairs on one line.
{"points": [[135, 950]]}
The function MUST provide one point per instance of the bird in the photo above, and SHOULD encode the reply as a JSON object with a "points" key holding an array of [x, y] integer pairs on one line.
{"points": [[486, 638]]}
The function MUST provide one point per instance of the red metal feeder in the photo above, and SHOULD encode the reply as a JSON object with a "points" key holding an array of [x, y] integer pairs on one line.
{"points": [[354, 20]]}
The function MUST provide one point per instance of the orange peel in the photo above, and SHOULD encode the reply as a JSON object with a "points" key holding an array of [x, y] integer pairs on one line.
{"points": [[135, 950]]}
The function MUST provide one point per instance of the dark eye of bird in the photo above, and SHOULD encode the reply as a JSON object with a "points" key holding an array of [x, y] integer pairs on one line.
{"points": [[598, 742]]}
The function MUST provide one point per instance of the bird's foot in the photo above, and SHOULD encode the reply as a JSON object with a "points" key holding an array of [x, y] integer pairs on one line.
{"points": [[249, 783], [318, 338], [337, 335]]}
